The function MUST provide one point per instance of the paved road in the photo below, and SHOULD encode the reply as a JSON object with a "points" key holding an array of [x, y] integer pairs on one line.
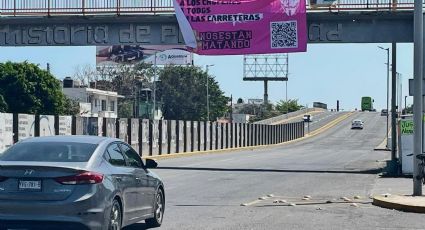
{"points": [[319, 119], [205, 192], [322, 119]]}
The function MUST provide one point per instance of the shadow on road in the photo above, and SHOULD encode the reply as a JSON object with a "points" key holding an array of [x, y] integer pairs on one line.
{"points": [[368, 171], [203, 205]]}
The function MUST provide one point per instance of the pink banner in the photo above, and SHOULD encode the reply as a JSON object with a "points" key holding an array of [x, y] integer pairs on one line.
{"points": [[232, 27]]}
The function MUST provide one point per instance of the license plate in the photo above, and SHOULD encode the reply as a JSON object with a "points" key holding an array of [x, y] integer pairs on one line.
{"points": [[33, 185]]}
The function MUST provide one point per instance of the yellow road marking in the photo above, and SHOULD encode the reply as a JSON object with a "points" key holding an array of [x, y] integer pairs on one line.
{"points": [[312, 134], [330, 125], [296, 117]]}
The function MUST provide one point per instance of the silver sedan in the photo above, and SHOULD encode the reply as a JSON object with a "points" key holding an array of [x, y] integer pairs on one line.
{"points": [[77, 182], [357, 124]]}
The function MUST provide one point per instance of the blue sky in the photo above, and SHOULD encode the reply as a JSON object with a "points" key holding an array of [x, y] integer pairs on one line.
{"points": [[325, 73]]}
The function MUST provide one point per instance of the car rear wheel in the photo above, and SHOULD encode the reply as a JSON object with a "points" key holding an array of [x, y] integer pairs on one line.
{"points": [[115, 216], [156, 221]]}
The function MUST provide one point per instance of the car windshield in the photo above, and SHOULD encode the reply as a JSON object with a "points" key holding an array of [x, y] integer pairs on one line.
{"points": [[49, 152]]}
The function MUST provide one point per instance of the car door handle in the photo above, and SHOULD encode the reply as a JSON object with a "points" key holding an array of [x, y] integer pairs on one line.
{"points": [[118, 178]]}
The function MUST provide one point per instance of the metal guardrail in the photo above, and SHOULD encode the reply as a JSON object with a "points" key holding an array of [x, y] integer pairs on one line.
{"points": [[118, 7]]}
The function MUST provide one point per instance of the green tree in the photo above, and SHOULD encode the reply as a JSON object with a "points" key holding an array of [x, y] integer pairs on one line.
{"points": [[125, 108], [28, 89], [289, 106], [182, 90], [72, 107], [3, 104]]}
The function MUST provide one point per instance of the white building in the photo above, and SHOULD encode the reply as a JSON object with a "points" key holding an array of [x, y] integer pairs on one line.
{"points": [[241, 118], [93, 102]]}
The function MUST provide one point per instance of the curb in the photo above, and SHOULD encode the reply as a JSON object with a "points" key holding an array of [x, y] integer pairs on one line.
{"points": [[383, 145], [389, 203], [222, 151]]}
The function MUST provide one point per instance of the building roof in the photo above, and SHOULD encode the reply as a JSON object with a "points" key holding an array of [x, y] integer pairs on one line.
{"points": [[97, 91]]}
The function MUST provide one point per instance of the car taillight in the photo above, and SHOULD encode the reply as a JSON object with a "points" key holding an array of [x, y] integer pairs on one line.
{"points": [[82, 178], [3, 178]]}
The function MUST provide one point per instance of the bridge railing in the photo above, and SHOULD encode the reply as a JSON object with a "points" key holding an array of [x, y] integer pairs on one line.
{"points": [[368, 5], [84, 7], [118, 7]]}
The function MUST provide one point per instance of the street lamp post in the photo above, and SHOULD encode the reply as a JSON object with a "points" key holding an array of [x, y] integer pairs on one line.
{"points": [[400, 93], [388, 85], [208, 94], [405, 105], [286, 98]]}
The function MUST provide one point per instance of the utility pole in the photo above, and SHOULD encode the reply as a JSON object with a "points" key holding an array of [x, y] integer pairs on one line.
{"points": [[231, 108], [393, 107], [405, 105], [286, 99], [418, 95], [154, 88], [286, 86], [208, 94], [388, 87]]}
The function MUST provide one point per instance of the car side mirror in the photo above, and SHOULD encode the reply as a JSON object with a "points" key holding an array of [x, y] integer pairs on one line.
{"points": [[150, 164]]}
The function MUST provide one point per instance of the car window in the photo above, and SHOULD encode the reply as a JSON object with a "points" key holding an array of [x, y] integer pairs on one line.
{"points": [[133, 158], [49, 152], [114, 155]]}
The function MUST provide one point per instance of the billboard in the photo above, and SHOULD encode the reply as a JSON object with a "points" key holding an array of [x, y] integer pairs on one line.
{"points": [[171, 57], [127, 54], [243, 26], [256, 101]]}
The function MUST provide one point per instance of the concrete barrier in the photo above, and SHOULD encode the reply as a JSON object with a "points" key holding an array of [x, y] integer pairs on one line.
{"points": [[149, 137]]}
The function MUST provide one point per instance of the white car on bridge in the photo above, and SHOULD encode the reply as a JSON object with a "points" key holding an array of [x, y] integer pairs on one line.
{"points": [[357, 124]]}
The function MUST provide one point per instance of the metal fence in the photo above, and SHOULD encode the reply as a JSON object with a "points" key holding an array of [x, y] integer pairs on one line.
{"points": [[118, 7]]}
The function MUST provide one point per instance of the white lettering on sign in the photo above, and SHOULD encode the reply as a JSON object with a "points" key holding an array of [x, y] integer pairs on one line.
{"points": [[87, 34]]}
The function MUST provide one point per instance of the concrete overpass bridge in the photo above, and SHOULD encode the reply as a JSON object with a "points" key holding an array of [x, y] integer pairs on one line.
{"points": [[122, 7], [152, 22]]}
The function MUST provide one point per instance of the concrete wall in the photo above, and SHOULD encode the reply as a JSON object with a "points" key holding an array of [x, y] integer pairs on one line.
{"points": [[145, 140], [149, 137], [180, 138], [172, 137]]}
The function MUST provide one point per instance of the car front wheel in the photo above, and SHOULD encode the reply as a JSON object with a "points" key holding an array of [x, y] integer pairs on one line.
{"points": [[156, 221]]}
